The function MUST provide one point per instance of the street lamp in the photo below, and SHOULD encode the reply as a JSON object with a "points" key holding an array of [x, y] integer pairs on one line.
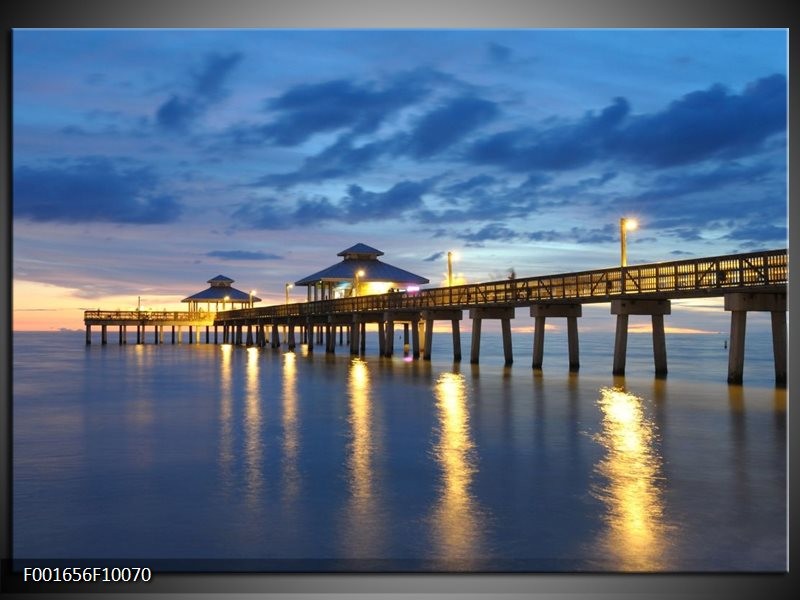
{"points": [[625, 225], [449, 269], [286, 288], [359, 274], [252, 293]]}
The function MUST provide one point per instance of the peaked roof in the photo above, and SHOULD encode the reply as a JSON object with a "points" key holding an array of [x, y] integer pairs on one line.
{"points": [[361, 249], [220, 290], [219, 293], [374, 270], [220, 280]]}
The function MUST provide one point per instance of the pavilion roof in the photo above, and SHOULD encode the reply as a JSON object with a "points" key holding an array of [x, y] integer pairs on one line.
{"points": [[218, 294], [374, 270]]}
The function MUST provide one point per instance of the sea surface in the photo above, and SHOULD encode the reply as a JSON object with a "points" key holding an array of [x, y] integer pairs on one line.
{"points": [[220, 458]]}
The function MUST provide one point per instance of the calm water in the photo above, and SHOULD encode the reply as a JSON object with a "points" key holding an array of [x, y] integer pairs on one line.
{"points": [[232, 458]]}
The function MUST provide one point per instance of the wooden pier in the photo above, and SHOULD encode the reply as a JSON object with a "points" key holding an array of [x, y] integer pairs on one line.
{"points": [[754, 281], [177, 321]]}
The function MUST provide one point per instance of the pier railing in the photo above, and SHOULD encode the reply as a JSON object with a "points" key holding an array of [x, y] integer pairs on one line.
{"points": [[144, 316], [711, 276]]}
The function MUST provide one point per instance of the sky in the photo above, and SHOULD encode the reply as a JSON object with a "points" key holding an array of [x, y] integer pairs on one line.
{"points": [[146, 162]]}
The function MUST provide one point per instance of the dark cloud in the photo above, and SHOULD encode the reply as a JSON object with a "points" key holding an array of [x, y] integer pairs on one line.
{"points": [[208, 82], [434, 257], [756, 233], [316, 209], [435, 131], [308, 109], [177, 113], [491, 231], [706, 124], [206, 88], [401, 198], [702, 125], [448, 124], [242, 255], [499, 231], [358, 205], [685, 182], [499, 53], [92, 189], [469, 185], [561, 146], [486, 199], [262, 213], [341, 159]]}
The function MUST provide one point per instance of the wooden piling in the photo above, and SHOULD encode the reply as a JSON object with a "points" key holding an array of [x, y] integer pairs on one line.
{"points": [[659, 345], [779, 346], [428, 339], [538, 342], [389, 344], [620, 345], [505, 326], [475, 350], [381, 339], [456, 340]]}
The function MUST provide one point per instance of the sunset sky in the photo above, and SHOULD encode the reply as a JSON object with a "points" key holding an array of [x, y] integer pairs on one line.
{"points": [[148, 161]]}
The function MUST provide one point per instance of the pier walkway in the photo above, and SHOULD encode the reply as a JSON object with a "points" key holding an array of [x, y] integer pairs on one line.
{"points": [[754, 281]]}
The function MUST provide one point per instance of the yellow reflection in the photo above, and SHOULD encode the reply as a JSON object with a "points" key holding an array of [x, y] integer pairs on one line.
{"points": [[456, 518], [364, 523], [291, 477], [225, 410], [635, 530], [252, 429]]}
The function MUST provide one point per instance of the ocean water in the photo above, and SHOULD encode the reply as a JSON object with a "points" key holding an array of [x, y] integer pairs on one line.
{"points": [[224, 458]]}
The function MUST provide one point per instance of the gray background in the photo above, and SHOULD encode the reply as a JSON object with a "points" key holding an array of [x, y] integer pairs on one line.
{"points": [[379, 14]]}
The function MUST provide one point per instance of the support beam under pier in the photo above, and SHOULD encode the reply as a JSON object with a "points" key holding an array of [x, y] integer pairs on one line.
{"points": [[739, 304], [656, 309], [454, 316], [540, 312], [505, 315]]}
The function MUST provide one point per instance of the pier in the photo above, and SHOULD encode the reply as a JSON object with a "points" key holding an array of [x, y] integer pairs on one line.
{"points": [[754, 281]]}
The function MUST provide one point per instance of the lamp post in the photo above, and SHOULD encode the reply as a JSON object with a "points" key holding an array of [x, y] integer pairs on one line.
{"points": [[286, 288], [224, 300], [625, 225], [449, 269], [252, 293], [359, 274]]}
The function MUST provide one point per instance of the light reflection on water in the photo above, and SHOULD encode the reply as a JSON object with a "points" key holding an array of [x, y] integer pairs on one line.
{"points": [[291, 434], [455, 520], [226, 456], [635, 533], [363, 521], [253, 451]]}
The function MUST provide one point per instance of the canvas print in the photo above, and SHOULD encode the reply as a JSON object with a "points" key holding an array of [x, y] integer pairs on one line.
{"points": [[400, 300]]}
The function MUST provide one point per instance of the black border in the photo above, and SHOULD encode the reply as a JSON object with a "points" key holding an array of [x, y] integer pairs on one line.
{"points": [[377, 14]]}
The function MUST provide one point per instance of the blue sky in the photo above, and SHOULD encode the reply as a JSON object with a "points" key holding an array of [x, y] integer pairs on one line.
{"points": [[148, 161]]}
